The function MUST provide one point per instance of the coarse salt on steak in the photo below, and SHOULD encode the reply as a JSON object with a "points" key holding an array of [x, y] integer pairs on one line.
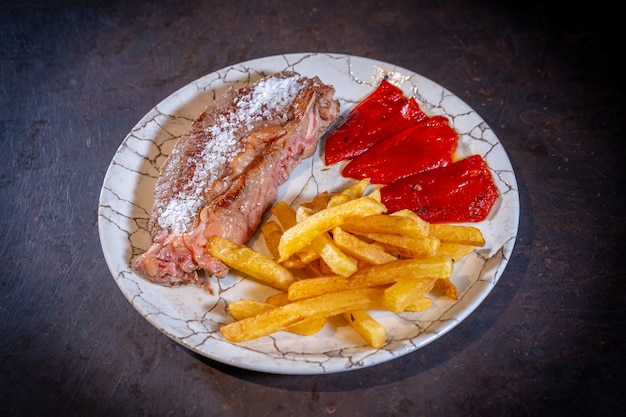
{"points": [[224, 172]]}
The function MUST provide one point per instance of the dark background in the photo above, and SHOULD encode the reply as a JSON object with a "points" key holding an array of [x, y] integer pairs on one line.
{"points": [[76, 76]]}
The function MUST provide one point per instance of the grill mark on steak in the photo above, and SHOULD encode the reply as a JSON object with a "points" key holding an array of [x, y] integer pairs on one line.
{"points": [[253, 158]]}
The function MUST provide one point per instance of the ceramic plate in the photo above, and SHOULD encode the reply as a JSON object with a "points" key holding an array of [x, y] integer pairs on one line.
{"points": [[192, 316]]}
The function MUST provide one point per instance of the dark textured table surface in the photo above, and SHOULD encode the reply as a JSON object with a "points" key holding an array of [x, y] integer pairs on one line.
{"points": [[76, 76]]}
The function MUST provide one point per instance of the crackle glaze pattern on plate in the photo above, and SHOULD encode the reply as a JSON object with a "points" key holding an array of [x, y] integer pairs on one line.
{"points": [[192, 316]]}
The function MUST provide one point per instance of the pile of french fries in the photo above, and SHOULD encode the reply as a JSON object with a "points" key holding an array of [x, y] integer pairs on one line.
{"points": [[342, 255]]}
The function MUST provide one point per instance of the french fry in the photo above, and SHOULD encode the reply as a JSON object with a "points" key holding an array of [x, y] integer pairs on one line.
{"points": [[373, 276], [427, 268], [291, 217], [369, 253], [319, 285], [456, 251], [372, 331], [319, 202], [278, 299], [376, 194], [308, 327], [302, 212], [300, 235], [407, 213], [305, 327], [272, 232], [394, 225], [466, 235], [251, 262], [420, 304], [406, 246], [282, 317], [295, 263], [313, 269], [307, 254], [447, 288], [403, 292], [338, 262], [285, 214], [324, 268], [350, 193], [245, 308]]}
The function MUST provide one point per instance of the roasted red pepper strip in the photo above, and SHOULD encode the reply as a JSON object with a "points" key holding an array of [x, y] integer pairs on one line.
{"points": [[419, 148], [383, 113], [460, 192]]}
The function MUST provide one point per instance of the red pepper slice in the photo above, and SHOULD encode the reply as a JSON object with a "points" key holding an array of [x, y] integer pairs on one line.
{"points": [[463, 191], [419, 148], [381, 114]]}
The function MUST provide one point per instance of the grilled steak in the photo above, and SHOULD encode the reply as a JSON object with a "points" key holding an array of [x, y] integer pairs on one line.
{"points": [[224, 172]]}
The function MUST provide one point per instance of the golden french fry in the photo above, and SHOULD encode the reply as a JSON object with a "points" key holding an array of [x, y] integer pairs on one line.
{"points": [[407, 213], [338, 262], [324, 268], [272, 232], [311, 287], [313, 269], [285, 214], [466, 235], [420, 304], [376, 194], [300, 235], [307, 254], [406, 246], [282, 317], [456, 251], [350, 193], [245, 308], [307, 327], [372, 331], [432, 267], [373, 276], [403, 292], [303, 212], [278, 299], [319, 202], [388, 224], [250, 262], [294, 263], [304, 327], [447, 288], [369, 253]]}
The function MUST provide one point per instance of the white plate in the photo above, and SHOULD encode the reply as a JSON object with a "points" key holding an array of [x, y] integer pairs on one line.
{"points": [[192, 316]]}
